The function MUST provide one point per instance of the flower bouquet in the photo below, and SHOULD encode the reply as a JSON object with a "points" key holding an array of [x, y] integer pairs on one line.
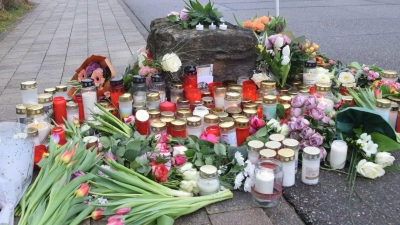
{"points": [[98, 68], [364, 74]]}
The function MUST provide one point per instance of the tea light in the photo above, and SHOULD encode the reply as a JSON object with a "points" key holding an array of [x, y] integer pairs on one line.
{"points": [[199, 27], [212, 27], [223, 26]]}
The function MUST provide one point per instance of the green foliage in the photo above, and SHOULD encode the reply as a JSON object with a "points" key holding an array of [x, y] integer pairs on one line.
{"points": [[385, 144], [274, 64], [204, 15]]}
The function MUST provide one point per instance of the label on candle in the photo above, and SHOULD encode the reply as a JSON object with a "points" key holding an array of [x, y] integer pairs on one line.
{"points": [[312, 173], [229, 139], [309, 79], [125, 112]]}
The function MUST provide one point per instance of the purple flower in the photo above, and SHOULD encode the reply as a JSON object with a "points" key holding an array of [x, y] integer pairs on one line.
{"points": [[316, 140], [310, 102], [298, 101], [293, 135], [326, 119], [77, 174], [304, 144], [317, 113], [108, 156], [295, 112], [56, 138], [184, 16], [307, 133], [323, 154], [291, 125], [301, 123]]}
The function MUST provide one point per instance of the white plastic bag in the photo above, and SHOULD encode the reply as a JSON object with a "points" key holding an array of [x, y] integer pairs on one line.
{"points": [[16, 167]]}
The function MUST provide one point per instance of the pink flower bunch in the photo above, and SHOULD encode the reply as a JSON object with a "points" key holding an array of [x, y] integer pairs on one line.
{"points": [[371, 75], [255, 124], [389, 83], [332, 62], [208, 137], [179, 160], [144, 71], [92, 67]]}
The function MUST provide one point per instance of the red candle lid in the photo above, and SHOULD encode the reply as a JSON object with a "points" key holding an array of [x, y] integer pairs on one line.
{"points": [[167, 106]]}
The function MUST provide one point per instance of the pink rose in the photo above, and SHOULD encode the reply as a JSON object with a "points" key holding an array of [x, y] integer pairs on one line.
{"points": [[353, 70], [144, 71], [366, 69], [311, 102], [317, 113], [162, 148], [295, 112], [316, 140], [307, 133], [208, 137], [129, 120], [255, 124], [179, 160], [153, 71], [184, 16], [323, 154], [161, 138], [298, 100], [326, 119]]}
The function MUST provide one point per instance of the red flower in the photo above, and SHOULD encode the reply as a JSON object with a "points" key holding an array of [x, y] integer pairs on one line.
{"points": [[160, 172], [256, 124], [179, 160]]}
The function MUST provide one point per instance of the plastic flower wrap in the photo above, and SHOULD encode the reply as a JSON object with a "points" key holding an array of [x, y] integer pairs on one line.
{"points": [[16, 166]]}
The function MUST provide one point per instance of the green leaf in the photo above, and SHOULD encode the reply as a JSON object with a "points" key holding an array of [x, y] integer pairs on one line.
{"points": [[392, 169], [204, 150], [198, 162], [135, 145], [134, 165], [280, 110], [262, 132], [225, 184], [121, 151], [219, 149], [209, 160], [189, 153], [192, 143], [144, 170], [385, 144], [118, 136], [105, 142], [165, 220], [142, 160]]}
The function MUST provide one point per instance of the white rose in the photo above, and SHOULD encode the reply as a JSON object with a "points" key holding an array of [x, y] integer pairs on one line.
{"points": [[190, 174], [141, 57], [346, 77], [369, 169], [171, 63], [189, 186], [185, 167], [323, 78], [273, 123], [258, 77], [384, 159], [179, 150], [284, 130], [320, 70]]}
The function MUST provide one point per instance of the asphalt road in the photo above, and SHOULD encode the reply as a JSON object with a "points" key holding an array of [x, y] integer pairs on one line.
{"points": [[366, 31]]}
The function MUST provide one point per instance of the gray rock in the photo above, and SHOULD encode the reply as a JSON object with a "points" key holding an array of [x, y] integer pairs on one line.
{"points": [[231, 51]]}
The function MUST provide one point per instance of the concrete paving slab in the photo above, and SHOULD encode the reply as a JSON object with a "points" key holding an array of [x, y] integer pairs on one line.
{"points": [[254, 216], [240, 201]]}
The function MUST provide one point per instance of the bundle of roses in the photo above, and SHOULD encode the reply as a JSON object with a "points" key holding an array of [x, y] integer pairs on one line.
{"points": [[364, 74], [148, 66]]}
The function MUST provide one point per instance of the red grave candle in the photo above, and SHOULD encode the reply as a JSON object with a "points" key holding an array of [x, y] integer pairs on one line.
{"points": [[242, 130], [193, 95], [248, 82], [78, 100], [116, 89], [61, 133], [142, 122], [398, 123], [250, 91], [60, 109], [213, 130], [167, 106], [190, 77], [39, 151], [178, 128]]}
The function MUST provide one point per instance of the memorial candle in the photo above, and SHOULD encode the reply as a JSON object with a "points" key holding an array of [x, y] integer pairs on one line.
{"points": [[337, 158], [167, 106], [142, 122]]}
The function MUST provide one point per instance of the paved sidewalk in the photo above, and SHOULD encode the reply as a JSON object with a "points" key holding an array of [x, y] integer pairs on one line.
{"points": [[54, 39]]}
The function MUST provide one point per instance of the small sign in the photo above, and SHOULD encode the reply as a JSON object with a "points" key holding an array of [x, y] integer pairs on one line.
{"points": [[204, 76]]}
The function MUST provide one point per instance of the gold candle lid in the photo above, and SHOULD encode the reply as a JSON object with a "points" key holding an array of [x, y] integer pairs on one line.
{"points": [[286, 106], [72, 105], [177, 86], [217, 109], [139, 106], [205, 93], [154, 113], [182, 101], [291, 143], [127, 97], [233, 110], [167, 120], [61, 88], [283, 92], [211, 118], [304, 91], [389, 74], [323, 88], [235, 116], [275, 145], [193, 121], [246, 101], [197, 103], [311, 153], [208, 171], [50, 91], [226, 125], [242, 122], [347, 99], [226, 119], [382, 103], [269, 99], [35, 110], [219, 89], [45, 98], [250, 106], [26, 85], [394, 106], [255, 145], [21, 109], [183, 113], [178, 124], [250, 112], [259, 103], [286, 155], [394, 99], [158, 126], [296, 84], [207, 100], [32, 132], [232, 96], [267, 153], [169, 114], [222, 114], [277, 137], [267, 85], [235, 87], [286, 99], [153, 96]]}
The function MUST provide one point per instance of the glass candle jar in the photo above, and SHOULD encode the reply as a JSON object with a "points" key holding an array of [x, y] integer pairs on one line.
{"points": [[267, 154], [338, 154], [61, 134], [219, 96], [158, 127], [78, 100], [205, 93], [235, 88], [245, 102], [276, 137], [208, 102], [176, 92], [310, 165], [89, 97], [394, 108], [286, 156], [154, 114], [285, 99], [267, 188], [324, 91], [259, 108], [210, 120], [195, 104], [212, 85], [142, 122], [208, 182], [29, 92], [183, 114], [250, 113], [178, 129], [47, 101], [37, 119], [250, 91], [190, 77], [233, 111], [201, 111], [228, 133], [125, 105], [61, 90], [253, 150], [117, 88], [389, 75], [167, 121], [267, 87], [310, 73], [168, 114], [382, 107], [214, 130], [193, 95], [194, 126], [232, 98], [72, 111], [242, 129], [21, 112], [305, 92], [139, 89], [60, 109], [241, 79], [153, 100], [269, 107], [51, 91], [294, 145], [183, 103], [158, 84]]}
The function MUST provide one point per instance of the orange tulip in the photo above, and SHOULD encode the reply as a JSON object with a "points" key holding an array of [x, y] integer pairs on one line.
{"points": [[96, 215], [83, 190], [66, 156]]}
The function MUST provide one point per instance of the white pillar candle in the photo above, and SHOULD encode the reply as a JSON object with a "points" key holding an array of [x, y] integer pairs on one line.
{"points": [[329, 104], [43, 130], [264, 182], [338, 155], [201, 111], [253, 156], [88, 99]]}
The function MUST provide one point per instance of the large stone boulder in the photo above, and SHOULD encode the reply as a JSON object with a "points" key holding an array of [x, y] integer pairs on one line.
{"points": [[231, 51]]}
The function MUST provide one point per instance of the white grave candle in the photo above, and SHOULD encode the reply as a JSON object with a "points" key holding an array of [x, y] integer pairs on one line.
{"points": [[264, 183], [338, 154]]}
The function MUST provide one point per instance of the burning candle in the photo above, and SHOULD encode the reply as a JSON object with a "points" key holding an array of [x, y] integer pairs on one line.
{"points": [[264, 183], [43, 130]]}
